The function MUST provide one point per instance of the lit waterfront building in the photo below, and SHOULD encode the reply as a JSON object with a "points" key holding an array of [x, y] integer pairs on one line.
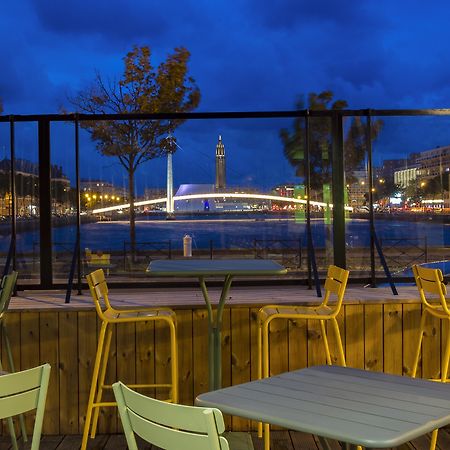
{"points": [[27, 188], [357, 191], [434, 162], [99, 186], [207, 204], [219, 204], [404, 177], [95, 193]]}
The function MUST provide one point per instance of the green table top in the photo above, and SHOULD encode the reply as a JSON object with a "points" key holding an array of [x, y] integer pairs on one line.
{"points": [[365, 408], [214, 267]]}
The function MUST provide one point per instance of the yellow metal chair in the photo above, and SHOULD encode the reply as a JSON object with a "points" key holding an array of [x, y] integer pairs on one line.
{"points": [[98, 260], [335, 284], [432, 291], [111, 316]]}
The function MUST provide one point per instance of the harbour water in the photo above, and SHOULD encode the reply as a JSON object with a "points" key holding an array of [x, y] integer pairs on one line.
{"points": [[236, 231]]}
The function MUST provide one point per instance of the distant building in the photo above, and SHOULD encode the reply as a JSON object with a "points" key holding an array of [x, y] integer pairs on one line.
{"points": [[389, 167], [284, 190], [404, 177], [357, 191], [27, 188], [220, 165], [101, 187], [151, 193], [221, 204], [434, 162]]}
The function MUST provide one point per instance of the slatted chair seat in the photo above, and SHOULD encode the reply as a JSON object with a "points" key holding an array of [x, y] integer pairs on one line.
{"points": [[281, 311], [143, 315]]}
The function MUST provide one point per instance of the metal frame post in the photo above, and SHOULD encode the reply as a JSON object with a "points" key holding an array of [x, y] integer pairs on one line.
{"points": [[45, 204], [13, 192], [338, 187], [371, 212], [312, 265], [77, 175]]}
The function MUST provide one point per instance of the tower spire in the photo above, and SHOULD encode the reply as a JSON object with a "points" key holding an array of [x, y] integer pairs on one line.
{"points": [[220, 165]]}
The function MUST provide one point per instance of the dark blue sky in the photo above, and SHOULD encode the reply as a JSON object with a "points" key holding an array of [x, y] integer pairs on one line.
{"points": [[246, 55]]}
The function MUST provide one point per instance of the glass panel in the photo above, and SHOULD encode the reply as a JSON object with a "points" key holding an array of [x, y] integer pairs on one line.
{"points": [[63, 198], [410, 188], [5, 192], [225, 203], [321, 191], [412, 158], [357, 236], [27, 190], [239, 190]]}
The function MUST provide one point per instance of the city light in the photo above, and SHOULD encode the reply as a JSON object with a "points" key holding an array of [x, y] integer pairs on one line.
{"points": [[219, 195]]}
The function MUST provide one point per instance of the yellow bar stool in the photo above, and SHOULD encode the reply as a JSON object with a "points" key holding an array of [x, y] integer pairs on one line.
{"points": [[110, 316], [432, 291], [335, 284]]}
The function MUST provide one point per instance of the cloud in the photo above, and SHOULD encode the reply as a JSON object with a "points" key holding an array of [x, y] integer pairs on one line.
{"points": [[245, 55]]}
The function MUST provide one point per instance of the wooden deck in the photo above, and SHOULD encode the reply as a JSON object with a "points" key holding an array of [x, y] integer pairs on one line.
{"points": [[191, 297], [379, 331], [281, 440]]}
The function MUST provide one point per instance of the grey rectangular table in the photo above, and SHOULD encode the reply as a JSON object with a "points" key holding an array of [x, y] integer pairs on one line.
{"points": [[202, 269], [354, 406]]}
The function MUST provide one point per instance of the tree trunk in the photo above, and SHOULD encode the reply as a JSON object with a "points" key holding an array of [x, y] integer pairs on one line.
{"points": [[132, 215]]}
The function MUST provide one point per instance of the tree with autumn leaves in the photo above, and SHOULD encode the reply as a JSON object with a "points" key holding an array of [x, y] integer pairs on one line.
{"points": [[320, 141], [143, 88]]}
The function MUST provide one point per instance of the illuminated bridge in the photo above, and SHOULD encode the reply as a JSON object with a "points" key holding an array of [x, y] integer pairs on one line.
{"points": [[221, 195]]}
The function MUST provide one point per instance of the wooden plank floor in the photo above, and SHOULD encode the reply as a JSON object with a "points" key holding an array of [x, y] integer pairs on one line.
{"points": [[281, 440]]}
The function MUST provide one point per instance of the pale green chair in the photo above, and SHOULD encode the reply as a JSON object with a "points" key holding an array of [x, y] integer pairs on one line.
{"points": [[7, 289], [167, 425], [24, 391]]}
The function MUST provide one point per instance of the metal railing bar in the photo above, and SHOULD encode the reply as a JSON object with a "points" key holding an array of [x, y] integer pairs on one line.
{"points": [[228, 115]]}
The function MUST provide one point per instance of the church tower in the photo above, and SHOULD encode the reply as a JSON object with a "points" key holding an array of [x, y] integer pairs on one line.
{"points": [[220, 165]]}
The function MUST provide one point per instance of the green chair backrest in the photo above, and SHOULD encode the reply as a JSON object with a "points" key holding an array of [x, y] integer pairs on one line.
{"points": [[24, 391], [7, 288], [168, 425]]}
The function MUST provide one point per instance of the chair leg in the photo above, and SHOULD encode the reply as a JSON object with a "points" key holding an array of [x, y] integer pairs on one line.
{"points": [[266, 436], [23, 429], [260, 350], [339, 342], [12, 433], [444, 372], [325, 342], [446, 358], [265, 374], [10, 422], [433, 442], [265, 348], [98, 357], [174, 361], [419, 345], [101, 381]]}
